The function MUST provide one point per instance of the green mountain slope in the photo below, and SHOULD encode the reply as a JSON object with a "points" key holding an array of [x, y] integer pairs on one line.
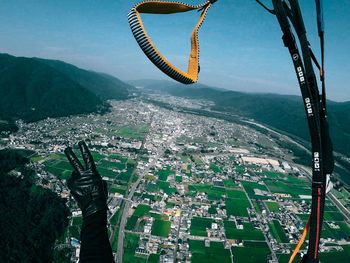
{"points": [[101, 84], [33, 89]]}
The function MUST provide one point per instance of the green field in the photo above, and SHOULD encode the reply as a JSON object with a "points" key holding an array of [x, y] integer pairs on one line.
{"points": [[278, 232], [272, 206], [333, 216], [239, 169], [256, 206], [216, 193], [163, 174], [75, 231], [136, 132], [161, 228], [214, 253], [125, 176], [212, 209], [114, 244], [293, 189], [273, 174], [250, 186], [199, 226], [229, 183], [247, 233], [106, 172], [130, 224], [215, 168], [130, 244], [77, 221], [237, 207], [115, 189], [141, 210], [165, 186], [252, 252], [153, 258], [112, 165], [335, 257]]}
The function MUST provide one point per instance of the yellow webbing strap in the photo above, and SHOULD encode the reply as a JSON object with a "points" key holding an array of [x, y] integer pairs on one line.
{"points": [[301, 241], [139, 32]]}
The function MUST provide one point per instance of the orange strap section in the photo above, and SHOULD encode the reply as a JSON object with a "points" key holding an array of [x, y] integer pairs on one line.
{"points": [[301, 241]]}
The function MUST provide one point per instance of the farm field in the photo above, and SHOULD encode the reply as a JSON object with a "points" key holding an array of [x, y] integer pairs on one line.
{"points": [[252, 252], [214, 253], [247, 233], [278, 232], [199, 226], [161, 228]]}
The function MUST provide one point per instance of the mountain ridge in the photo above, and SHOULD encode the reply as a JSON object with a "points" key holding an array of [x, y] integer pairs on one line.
{"points": [[34, 89]]}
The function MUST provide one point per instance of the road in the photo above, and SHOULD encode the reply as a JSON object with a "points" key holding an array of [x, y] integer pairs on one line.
{"points": [[121, 235], [119, 255]]}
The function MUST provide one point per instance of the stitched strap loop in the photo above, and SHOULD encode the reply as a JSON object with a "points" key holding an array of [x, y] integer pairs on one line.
{"points": [[139, 32]]}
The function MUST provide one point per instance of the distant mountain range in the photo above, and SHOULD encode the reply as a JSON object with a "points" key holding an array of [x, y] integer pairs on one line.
{"points": [[283, 112], [34, 88]]}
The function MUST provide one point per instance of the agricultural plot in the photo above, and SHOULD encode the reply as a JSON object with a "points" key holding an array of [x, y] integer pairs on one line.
{"points": [[163, 174], [240, 169], [122, 159], [141, 210], [212, 209], [125, 176], [216, 193], [236, 194], [273, 175], [278, 232], [114, 244], [343, 232], [106, 173], [215, 168], [285, 188], [272, 206], [112, 165], [185, 158], [161, 228], [256, 206], [229, 183], [36, 158], [336, 256], [165, 186], [250, 186], [131, 222], [135, 132], [252, 252], [119, 190], [199, 226], [153, 258], [247, 233], [333, 216], [197, 160], [214, 253], [237, 207], [130, 244]]}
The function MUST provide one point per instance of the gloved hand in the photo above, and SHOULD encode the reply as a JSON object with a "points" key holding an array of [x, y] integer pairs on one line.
{"points": [[85, 184]]}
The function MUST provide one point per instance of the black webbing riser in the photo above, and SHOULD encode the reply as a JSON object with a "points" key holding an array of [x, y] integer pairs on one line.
{"points": [[150, 52], [318, 178], [309, 91]]}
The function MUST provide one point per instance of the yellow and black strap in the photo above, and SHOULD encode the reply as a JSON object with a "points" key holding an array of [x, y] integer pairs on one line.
{"points": [[139, 32]]}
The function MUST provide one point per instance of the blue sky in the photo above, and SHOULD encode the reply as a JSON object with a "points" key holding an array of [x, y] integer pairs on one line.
{"points": [[240, 43]]}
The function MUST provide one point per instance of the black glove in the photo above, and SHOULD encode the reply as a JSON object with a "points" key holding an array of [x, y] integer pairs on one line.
{"points": [[85, 184]]}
